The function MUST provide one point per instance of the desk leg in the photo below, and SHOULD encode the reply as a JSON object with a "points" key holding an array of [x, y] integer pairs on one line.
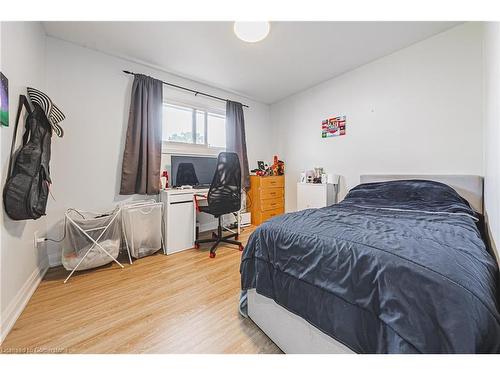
{"points": [[195, 211]]}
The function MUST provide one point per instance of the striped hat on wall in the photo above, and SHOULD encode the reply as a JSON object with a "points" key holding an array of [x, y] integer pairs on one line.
{"points": [[53, 113]]}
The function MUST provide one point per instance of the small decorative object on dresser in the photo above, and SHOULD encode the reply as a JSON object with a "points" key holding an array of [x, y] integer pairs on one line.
{"points": [[266, 197]]}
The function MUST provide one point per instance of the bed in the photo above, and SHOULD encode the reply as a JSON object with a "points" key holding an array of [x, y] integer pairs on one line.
{"points": [[399, 266]]}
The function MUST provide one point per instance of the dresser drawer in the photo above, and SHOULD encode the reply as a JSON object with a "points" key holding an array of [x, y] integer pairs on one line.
{"points": [[272, 182], [271, 204], [271, 193], [266, 197], [266, 215]]}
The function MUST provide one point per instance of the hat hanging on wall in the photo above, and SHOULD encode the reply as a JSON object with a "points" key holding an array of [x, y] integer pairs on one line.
{"points": [[53, 113]]}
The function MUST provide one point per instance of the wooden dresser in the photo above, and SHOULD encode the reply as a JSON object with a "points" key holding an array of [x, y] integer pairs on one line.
{"points": [[266, 197]]}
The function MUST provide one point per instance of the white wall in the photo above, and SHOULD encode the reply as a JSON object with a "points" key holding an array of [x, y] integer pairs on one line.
{"points": [[23, 63], [94, 93], [492, 129], [418, 110]]}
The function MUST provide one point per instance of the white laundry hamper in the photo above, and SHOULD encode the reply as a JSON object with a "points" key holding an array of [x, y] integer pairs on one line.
{"points": [[91, 239], [142, 227]]}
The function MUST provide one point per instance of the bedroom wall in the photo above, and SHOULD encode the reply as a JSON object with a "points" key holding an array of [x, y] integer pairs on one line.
{"points": [[492, 130], [94, 93], [22, 266], [418, 110]]}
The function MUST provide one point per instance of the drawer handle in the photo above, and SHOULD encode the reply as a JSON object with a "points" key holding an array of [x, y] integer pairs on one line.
{"points": [[273, 204], [180, 202], [273, 193]]}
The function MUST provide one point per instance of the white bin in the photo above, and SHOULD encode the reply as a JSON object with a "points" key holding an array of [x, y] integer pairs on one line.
{"points": [[142, 227]]}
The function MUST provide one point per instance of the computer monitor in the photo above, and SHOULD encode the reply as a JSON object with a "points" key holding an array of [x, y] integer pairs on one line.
{"points": [[193, 170]]}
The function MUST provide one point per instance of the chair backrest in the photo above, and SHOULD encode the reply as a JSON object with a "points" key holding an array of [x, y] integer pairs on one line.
{"points": [[186, 175], [224, 195]]}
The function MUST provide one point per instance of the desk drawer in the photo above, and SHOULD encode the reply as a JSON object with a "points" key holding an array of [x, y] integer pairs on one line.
{"points": [[266, 215], [181, 198], [271, 204], [271, 193], [272, 182]]}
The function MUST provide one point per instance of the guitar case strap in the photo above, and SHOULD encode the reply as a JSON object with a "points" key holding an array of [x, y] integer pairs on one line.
{"points": [[23, 102]]}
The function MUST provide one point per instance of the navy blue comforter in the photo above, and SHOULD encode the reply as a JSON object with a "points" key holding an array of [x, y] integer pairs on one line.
{"points": [[397, 267]]}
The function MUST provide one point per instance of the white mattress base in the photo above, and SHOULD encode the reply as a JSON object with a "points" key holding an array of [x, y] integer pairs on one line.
{"points": [[288, 331]]}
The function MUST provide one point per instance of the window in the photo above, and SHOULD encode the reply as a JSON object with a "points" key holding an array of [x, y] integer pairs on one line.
{"points": [[216, 125], [177, 124], [185, 124]]}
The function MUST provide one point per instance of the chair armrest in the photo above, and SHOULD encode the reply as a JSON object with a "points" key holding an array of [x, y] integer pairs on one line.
{"points": [[196, 200]]}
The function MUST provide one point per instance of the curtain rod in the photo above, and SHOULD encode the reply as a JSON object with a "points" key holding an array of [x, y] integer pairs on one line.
{"points": [[190, 90]]}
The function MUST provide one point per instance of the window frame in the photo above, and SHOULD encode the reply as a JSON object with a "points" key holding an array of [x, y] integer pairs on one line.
{"points": [[171, 147]]}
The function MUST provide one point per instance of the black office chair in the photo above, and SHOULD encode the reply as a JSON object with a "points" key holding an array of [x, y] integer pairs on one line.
{"points": [[224, 197], [186, 175]]}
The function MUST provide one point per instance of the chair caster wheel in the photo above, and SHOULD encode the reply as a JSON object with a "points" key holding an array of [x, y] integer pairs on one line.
{"points": [[214, 236], [241, 247], [196, 245], [212, 255]]}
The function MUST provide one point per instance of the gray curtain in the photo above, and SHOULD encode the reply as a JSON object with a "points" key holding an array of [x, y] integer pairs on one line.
{"points": [[142, 154], [235, 138]]}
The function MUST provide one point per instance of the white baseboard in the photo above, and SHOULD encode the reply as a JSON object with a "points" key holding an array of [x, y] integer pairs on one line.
{"points": [[54, 255], [17, 305]]}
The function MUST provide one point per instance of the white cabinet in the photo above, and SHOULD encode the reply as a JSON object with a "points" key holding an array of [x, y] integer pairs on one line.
{"points": [[179, 216], [315, 195]]}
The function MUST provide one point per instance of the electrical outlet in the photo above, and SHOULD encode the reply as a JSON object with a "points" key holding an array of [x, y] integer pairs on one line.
{"points": [[37, 240]]}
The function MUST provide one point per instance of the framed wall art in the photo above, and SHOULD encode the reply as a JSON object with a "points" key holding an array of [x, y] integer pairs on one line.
{"points": [[333, 127], [4, 100]]}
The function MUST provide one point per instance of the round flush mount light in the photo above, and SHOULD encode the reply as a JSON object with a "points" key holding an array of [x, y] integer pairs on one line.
{"points": [[251, 32]]}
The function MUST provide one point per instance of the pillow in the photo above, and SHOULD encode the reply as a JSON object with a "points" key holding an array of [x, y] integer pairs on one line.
{"points": [[414, 195]]}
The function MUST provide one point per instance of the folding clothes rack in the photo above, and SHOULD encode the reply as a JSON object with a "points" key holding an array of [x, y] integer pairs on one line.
{"points": [[95, 242]]}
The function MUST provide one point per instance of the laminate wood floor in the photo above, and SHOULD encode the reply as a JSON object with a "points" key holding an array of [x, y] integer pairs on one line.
{"points": [[181, 303]]}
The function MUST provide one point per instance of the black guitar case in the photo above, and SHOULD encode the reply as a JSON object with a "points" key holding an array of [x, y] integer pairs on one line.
{"points": [[28, 179]]}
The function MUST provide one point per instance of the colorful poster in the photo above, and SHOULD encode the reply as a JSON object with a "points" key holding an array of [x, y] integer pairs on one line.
{"points": [[4, 100], [333, 127]]}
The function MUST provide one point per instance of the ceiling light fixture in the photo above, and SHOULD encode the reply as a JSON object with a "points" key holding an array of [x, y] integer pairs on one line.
{"points": [[251, 32]]}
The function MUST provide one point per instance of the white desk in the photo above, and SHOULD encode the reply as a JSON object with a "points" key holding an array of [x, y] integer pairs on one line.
{"points": [[180, 218]]}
